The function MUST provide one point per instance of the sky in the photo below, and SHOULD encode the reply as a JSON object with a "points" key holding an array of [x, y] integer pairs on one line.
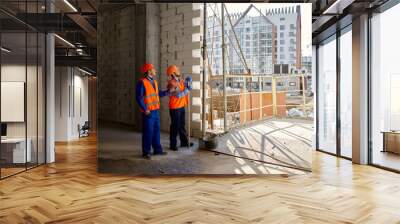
{"points": [[306, 15]]}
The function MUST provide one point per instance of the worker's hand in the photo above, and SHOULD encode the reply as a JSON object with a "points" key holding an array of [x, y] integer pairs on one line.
{"points": [[147, 112], [188, 82], [172, 92]]}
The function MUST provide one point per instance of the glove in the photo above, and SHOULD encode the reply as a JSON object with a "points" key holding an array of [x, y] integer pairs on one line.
{"points": [[188, 82]]}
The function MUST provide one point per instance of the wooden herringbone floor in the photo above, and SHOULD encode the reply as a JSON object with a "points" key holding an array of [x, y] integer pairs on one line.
{"points": [[71, 191]]}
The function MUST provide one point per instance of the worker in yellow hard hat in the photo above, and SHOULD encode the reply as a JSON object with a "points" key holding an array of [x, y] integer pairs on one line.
{"points": [[178, 100], [148, 98]]}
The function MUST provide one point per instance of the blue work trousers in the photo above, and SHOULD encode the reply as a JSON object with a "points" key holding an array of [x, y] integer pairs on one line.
{"points": [[177, 127], [151, 133]]}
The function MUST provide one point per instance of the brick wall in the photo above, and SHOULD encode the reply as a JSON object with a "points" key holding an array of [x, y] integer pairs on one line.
{"points": [[180, 44], [116, 64]]}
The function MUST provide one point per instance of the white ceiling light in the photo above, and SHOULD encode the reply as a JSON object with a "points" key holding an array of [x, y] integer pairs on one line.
{"points": [[338, 6], [5, 50], [70, 5], [65, 41], [84, 71]]}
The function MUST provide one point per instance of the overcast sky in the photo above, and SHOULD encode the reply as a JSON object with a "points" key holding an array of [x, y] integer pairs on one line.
{"points": [[305, 19]]}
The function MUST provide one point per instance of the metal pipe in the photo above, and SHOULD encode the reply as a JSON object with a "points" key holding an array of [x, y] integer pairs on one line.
{"points": [[237, 42], [203, 122], [223, 63]]}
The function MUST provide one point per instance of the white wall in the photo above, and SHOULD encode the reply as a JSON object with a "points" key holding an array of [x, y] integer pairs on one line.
{"points": [[33, 126], [17, 73], [71, 87]]}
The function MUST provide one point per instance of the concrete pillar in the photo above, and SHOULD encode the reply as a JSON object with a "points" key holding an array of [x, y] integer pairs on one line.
{"points": [[147, 44], [50, 98], [360, 90]]}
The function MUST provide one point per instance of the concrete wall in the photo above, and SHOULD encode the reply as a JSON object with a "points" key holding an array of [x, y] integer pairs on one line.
{"points": [[161, 34], [127, 37], [116, 64], [71, 102]]}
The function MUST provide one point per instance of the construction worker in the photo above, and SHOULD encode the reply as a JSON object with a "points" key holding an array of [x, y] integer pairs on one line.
{"points": [[178, 100], [148, 98]]}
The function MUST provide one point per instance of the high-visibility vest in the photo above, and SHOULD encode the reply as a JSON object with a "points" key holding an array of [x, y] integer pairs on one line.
{"points": [[175, 102], [151, 98]]}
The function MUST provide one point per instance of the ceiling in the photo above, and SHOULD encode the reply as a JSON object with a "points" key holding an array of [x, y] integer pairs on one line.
{"points": [[76, 21]]}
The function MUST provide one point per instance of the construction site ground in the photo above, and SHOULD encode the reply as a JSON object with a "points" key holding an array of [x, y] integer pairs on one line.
{"points": [[275, 146]]}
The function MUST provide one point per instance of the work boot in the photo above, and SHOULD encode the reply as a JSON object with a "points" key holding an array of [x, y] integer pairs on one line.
{"points": [[160, 154], [187, 144], [174, 148], [148, 157]]}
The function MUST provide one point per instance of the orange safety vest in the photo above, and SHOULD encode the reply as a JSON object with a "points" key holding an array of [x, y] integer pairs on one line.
{"points": [[175, 102], [151, 98]]}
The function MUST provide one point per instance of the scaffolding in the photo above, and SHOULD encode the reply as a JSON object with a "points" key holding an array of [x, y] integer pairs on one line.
{"points": [[236, 97]]}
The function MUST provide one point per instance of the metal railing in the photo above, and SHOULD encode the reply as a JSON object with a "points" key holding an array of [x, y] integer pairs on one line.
{"points": [[254, 97]]}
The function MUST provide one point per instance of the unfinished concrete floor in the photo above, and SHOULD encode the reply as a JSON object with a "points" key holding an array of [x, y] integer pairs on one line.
{"points": [[277, 145]]}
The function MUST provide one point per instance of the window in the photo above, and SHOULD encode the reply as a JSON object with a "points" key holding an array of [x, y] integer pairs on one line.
{"points": [[327, 96], [282, 19], [282, 56], [282, 35], [282, 42], [385, 87], [346, 94], [281, 49], [291, 34], [292, 26], [282, 27]]}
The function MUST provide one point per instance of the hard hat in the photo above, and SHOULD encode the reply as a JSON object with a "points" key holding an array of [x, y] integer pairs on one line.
{"points": [[172, 69], [146, 67]]}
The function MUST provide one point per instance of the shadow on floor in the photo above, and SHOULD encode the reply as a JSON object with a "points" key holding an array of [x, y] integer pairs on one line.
{"points": [[276, 144]]}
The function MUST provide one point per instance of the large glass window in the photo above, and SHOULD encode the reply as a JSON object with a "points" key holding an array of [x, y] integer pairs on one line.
{"points": [[327, 95], [385, 92], [346, 92]]}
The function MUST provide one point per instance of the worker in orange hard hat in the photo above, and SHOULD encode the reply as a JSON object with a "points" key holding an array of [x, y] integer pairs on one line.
{"points": [[148, 98], [178, 100]]}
